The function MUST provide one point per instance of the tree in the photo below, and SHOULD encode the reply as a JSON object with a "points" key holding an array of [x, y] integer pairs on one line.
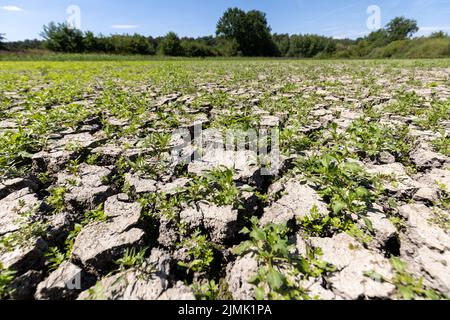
{"points": [[62, 37], [249, 30], [438, 35], [310, 45], [2, 38], [90, 42], [171, 45], [401, 28], [192, 48], [378, 38], [283, 43], [141, 45]]}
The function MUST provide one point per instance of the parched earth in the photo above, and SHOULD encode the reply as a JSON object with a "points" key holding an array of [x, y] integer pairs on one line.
{"points": [[95, 202]]}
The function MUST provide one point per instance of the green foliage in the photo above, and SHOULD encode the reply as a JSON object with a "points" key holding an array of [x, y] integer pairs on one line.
{"points": [[206, 292], [280, 271], [407, 103], [439, 111], [6, 277], [308, 46], [131, 259], [216, 186], [200, 251], [96, 215], [343, 184], [62, 37], [55, 258], [2, 38], [241, 33], [16, 150], [401, 28], [28, 231], [192, 48], [250, 30], [408, 287], [171, 45], [373, 138], [56, 198], [442, 144], [70, 240]]}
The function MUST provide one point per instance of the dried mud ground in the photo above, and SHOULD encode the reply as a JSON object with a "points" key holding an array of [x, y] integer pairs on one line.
{"points": [[93, 205]]}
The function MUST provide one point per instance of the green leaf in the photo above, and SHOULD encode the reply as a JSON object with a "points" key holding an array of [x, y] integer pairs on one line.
{"points": [[275, 279], [398, 264], [432, 295], [243, 247], [375, 276], [406, 292], [338, 206], [362, 192], [258, 235], [260, 294], [245, 231], [368, 223]]}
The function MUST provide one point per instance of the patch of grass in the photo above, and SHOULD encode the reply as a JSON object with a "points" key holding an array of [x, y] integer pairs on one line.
{"points": [[217, 186], [200, 251], [55, 258], [442, 144], [343, 184], [6, 277], [373, 138], [407, 286], [131, 259], [56, 198], [21, 238], [280, 271]]}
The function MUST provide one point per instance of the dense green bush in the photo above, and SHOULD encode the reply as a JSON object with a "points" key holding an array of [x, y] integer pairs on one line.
{"points": [[308, 46], [171, 45], [196, 49]]}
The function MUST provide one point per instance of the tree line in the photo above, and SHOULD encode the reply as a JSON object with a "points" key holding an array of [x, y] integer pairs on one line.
{"points": [[240, 33]]}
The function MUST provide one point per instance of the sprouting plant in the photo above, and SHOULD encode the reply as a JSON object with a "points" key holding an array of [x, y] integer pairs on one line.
{"points": [[56, 198], [407, 287], [442, 144], [280, 271], [217, 185], [55, 257], [74, 146], [73, 167], [92, 159], [318, 225], [158, 142], [343, 184], [200, 251], [44, 178], [407, 103], [22, 237], [132, 258], [96, 293], [438, 112], [6, 277], [373, 138], [208, 291], [70, 240], [97, 215]]}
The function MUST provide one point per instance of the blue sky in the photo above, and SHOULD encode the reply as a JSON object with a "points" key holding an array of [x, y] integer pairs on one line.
{"points": [[23, 19]]}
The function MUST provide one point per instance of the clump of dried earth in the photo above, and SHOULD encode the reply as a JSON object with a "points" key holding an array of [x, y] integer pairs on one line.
{"points": [[95, 205]]}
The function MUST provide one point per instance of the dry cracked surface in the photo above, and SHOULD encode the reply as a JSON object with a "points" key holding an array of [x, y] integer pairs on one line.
{"points": [[94, 204]]}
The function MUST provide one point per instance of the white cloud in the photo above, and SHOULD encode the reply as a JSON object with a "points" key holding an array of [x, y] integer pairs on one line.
{"points": [[124, 26], [12, 8]]}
